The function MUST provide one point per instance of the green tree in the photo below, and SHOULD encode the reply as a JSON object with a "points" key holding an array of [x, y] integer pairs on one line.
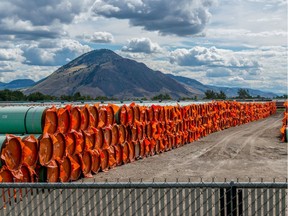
{"points": [[88, 97], [221, 95], [243, 94], [210, 94], [77, 96], [162, 97], [101, 98], [284, 96], [38, 96], [66, 97], [8, 95]]}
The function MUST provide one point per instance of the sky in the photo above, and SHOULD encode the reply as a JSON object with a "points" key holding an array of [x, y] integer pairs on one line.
{"points": [[233, 43]]}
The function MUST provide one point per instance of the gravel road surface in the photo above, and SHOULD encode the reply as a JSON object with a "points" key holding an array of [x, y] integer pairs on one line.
{"points": [[253, 150]]}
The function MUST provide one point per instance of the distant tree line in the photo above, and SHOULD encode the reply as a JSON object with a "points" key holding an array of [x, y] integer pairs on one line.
{"points": [[241, 94], [210, 94], [284, 96], [162, 97], [9, 95], [244, 94]]}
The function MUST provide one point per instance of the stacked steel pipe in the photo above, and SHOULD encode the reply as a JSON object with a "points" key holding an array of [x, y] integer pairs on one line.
{"points": [[78, 141], [284, 128]]}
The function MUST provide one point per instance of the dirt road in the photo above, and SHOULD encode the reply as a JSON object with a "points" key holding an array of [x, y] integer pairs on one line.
{"points": [[248, 151]]}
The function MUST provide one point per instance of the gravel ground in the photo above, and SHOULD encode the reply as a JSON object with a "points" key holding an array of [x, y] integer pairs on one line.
{"points": [[253, 150]]}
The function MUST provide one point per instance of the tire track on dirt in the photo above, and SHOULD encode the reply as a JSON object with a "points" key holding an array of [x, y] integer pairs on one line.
{"points": [[255, 137], [208, 149], [255, 132], [228, 139], [203, 157], [212, 150]]}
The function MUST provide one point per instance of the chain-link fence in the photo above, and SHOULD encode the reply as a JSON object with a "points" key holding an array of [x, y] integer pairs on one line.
{"points": [[144, 198]]}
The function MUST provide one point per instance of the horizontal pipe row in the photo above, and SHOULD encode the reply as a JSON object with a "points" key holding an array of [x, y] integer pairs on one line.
{"points": [[81, 141]]}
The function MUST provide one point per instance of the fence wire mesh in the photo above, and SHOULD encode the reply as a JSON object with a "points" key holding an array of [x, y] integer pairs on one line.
{"points": [[144, 198]]}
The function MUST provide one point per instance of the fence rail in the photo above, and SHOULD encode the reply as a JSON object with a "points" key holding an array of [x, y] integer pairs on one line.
{"points": [[144, 198]]}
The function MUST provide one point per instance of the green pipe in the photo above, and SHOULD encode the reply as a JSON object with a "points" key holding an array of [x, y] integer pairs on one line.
{"points": [[34, 122], [22, 120], [12, 119], [286, 134]]}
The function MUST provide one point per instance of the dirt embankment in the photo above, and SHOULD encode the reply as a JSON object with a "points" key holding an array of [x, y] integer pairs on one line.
{"points": [[253, 150]]}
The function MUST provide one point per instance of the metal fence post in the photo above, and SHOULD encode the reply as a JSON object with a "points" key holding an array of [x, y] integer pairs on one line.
{"points": [[234, 199], [222, 202], [231, 200], [228, 205], [240, 202]]}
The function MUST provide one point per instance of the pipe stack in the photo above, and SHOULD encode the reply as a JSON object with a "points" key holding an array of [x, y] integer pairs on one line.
{"points": [[78, 141]]}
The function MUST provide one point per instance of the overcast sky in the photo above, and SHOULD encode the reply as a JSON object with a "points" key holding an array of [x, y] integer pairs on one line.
{"points": [[234, 43]]}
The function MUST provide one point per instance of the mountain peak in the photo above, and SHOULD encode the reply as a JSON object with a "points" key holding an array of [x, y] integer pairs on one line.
{"points": [[104, 73], [94, 57], [101, 53]]}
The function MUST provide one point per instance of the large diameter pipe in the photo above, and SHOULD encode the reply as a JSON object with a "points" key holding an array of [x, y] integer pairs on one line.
{"points": [[12, 119], [11, 151], [20, 120], [18, 149], [35, 119]]}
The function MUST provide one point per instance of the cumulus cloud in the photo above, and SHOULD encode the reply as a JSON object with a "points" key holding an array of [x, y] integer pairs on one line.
{"points": [[11, 54], [251, 73], [213, 57], [6, 67], [63, 51], [19, 29], [260, 37], [98, 37], [35, 19], [20, 71], [178, 17], [236, 79], [141, 45], [42, 13], [196, 56]]}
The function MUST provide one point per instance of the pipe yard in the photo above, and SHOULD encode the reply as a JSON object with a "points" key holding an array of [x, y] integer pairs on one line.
{"points": [[69, 142]]}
